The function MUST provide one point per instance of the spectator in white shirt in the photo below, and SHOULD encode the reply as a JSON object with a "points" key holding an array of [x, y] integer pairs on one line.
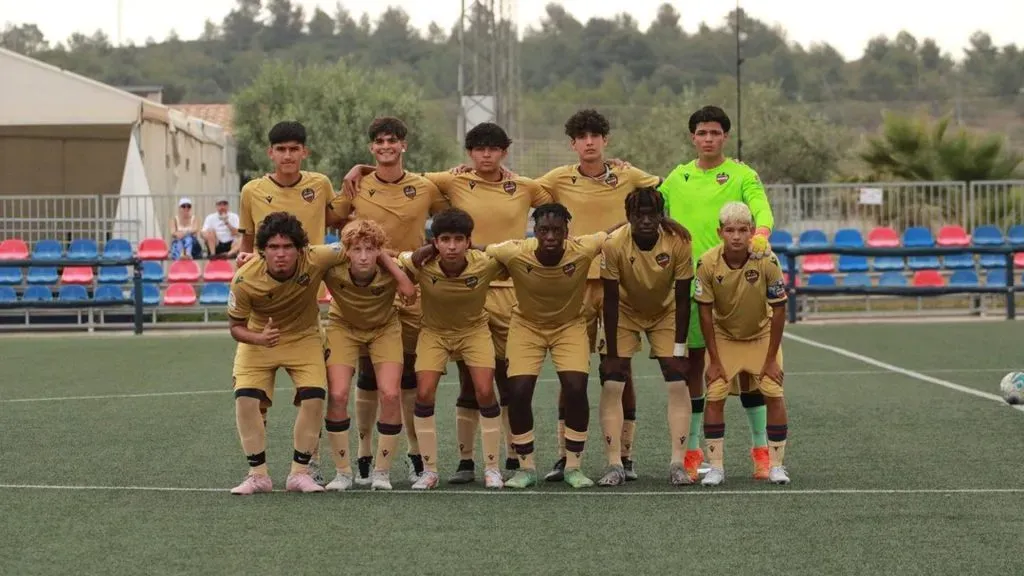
{"points": [[221, 232]]}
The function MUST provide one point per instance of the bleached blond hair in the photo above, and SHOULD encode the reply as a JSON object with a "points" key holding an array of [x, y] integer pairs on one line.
{"points": [[735, 213]]}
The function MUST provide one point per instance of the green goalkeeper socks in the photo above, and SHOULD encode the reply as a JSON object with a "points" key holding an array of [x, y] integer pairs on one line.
{"points": [[757, 416], [696, 423]]}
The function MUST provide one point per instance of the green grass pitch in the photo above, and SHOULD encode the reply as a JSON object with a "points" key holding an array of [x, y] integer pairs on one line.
{"points": [[116, 454]]}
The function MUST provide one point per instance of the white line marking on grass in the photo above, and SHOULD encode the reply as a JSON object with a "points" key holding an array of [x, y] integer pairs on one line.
{"points": [[693, 491], [897, 370], [109, 396]]}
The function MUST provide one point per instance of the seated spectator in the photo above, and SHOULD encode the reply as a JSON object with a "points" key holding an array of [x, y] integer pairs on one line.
{"points": [[184, 230], [220, 230]]}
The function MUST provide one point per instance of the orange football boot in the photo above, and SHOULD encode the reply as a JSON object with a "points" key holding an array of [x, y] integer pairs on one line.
{"points": [[761, 464], [692, 461]]}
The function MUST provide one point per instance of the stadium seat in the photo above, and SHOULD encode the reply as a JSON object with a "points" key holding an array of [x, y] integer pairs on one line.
{"points": [[953, 236], [180, 294], [150, 294], [987, 236], [47, 250], [42, 275], [13, 249], [818, 263], [958, 261], [218, 271], [113, 275], [330, 238], [73, 293], [183, 271], [153, 249], [892, 279], [783, 261], [1018, 260], [993, 261], [10, 276], [923, 262], [107, 293], [918, 237], [215, 293], [849, 263], [812, 238], [117, 249], [152, 272], [858, 279], [77, 275], [963, 278], [884, 263], [785, 278], [883, 237], [37, 294], [848, 238], [928, 278], [83, 249], [996, 277], [7, 294], [780, 239], [1016, 235], [821, 280]]}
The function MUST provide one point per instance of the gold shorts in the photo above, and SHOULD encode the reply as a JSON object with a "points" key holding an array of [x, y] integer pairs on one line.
{"points": [[384, 344], [529, 343], [256, 367], [593, 307], [742, 356], [499, 304], [410, 317], [661, 334], [473, 346]]}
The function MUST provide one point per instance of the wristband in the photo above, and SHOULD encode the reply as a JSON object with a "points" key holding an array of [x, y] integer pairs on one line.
{"points": [[680, 350]]}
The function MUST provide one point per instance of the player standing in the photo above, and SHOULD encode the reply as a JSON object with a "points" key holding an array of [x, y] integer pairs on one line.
{"points": [[694, 195], [742, 317], [647, 272]]}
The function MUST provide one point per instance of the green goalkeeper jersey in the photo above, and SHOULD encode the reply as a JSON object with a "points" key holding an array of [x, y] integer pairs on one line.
{"points": [[694, 197]]}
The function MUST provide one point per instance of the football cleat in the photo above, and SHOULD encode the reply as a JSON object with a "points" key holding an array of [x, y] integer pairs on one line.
{"points": [[577, 479], [613, 476], [315, 473], [714, 477], [380, 480], [302, 482], [557, 472], [492, 479], [254, 484], [523, 478], [692, 462], [415, 467], [629, 467], [778, 475], [427, 481], [465, 474], [678, 476], [761, 464], [363, 464], [342, 481]]}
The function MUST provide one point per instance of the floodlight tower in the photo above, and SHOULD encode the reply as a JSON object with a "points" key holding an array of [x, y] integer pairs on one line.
{"points": [[489, 66]]}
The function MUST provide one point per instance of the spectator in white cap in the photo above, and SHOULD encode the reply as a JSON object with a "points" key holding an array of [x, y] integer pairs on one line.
{"points": [[220, 230], [184, 230]]}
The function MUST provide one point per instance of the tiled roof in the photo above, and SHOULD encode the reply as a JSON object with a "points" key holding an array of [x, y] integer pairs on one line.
{"points": [[220, 114]]}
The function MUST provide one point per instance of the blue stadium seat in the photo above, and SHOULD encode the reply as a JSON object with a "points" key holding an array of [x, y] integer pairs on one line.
{"points": [[783, 262], [152, 271], [918, 237], [10, 276], [815, 238], [883, 263], [963, 278], [821, 280], [892, 279], [850, 263], [330, 238], [113, 275], [858, 279], [107, 293], [37, 294], [7, 294], [848, 238], [958, 261], [993, 261], [83, 249], [923, 262], [996, 277], [780, 239], [117, 249], [1016, 235], [215, 293], [987, 236], [72, 292], [47, 250], [150, 295], [42, 275]]}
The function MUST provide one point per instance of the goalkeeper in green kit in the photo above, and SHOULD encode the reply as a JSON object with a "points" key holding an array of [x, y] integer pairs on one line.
{"points": [[694, 194]]}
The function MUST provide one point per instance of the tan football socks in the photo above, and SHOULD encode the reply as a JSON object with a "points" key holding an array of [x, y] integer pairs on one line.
{"points": [[387, 441], [490, 432], [366, 416], [466, 421], [679, 415], [337, 435], [610, 407], [523, 444], [409, 419], [426, 432], [574, 443], [307, 427]]}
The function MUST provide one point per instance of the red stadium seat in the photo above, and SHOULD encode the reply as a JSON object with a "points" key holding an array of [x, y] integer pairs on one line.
{"points": [[953, 236], [818, 263], [153, 249], [180, 294], [13, 249], [883, 237], [928, 278], [218, 271], [1018, 260], [77, 275], [183, 271]]}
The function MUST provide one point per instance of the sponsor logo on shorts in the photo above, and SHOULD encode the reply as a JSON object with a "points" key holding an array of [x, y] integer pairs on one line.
{"points": [[303, 280], [509, 187], [569, 269], [751, 276], [662, 259], [472, 281], [409, 191], [308, 194]]}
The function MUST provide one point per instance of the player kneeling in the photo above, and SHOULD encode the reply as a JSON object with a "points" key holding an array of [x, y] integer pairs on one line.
{"points": [[742, 316], [363, 314], [454, 283], [647, 271]]}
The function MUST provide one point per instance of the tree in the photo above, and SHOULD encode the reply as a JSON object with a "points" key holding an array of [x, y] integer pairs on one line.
{"points": [[336, 103], [26, 39]]}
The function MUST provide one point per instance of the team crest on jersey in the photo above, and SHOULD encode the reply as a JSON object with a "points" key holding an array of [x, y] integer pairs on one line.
{"points": [[722, 178], [509, 187], [303, 280], [611, 180], [662, 259], [472, 281], [409, 191], [751, 276], [569, 268], [308, 194], [377, 290]]}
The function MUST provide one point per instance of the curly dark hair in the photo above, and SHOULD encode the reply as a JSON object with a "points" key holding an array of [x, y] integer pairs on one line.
{"points": [[486, 135], [287, 131], [452, 221], [554, 209], [648, 197], [710, 114], [387, 125], [587, 121], [284, 224]]}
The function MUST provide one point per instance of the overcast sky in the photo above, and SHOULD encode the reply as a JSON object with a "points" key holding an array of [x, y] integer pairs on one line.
{"points": [[846, 25]]}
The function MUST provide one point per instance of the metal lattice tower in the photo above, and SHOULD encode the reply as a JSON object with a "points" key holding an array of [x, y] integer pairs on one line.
{"points": [[489, 67]]}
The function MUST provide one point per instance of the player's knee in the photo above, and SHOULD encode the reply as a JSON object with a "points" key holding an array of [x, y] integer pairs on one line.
{"points": [[389, 398], [367, 380], [337, 398], [718, 391], [752, 399], [575, 387], [769, 388]]}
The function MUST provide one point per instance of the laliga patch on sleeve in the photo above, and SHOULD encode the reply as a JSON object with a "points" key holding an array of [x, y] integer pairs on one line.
{"points": [[777, 289], [697, 288], [232, 304]]}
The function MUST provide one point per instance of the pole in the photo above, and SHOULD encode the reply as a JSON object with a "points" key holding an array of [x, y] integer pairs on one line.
{"points": [[460, 127], [739, 90], [137, 294]]}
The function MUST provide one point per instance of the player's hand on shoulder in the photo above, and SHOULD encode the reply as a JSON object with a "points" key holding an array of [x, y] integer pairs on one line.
{"points": [[423, 254], [244, 257], [507, 174], [461, 169], [406, 291], [270, 335], [350, 184], [619, 164]]}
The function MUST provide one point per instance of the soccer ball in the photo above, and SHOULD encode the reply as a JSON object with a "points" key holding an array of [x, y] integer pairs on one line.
{"points": [[1012, 388]]}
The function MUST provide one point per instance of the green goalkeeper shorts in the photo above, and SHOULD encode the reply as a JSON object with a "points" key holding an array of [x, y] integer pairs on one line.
{"points": [[694, 338]]}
